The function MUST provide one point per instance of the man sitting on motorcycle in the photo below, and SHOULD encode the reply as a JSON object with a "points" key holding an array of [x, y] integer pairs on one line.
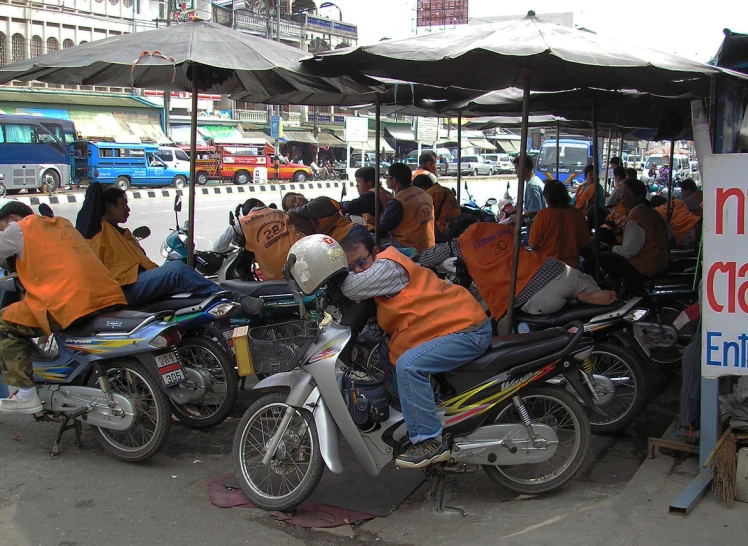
{"points": [[323, 215], [363, 205], [409, 216], [64, 282], [141, 279], [233, 234], [425, 338], [445, 202], [692, 196], [544, 284]]}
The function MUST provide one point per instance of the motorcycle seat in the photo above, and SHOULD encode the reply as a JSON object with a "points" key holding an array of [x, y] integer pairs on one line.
{"points": [[582, 312], [506, 352], [259, 289], [668, 280], [108, 322], [192, 303]]}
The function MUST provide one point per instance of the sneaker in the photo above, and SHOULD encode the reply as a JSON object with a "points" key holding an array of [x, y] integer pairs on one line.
{"points": [[250, 305], [12, 404], [433, 450]]}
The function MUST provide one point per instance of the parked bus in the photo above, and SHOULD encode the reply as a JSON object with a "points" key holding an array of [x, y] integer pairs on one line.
{"points": [[31, 156], [125, 165], [575, 154]]}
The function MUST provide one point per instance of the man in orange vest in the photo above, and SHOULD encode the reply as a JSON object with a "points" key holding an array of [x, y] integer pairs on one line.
{"points": [[434, 327], [692, 196], [64, 281], [544, 284], [323, 215], [409, 216], [426, 166], [445, 202], [363, 205], [644, 252], [141, 279], [269, 235], [682, 222]]}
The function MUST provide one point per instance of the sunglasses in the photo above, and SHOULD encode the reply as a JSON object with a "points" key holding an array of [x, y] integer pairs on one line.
{"points": [[360, 263]]}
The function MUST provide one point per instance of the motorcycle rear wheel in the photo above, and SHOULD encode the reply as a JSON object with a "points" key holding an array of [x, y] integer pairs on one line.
{"points": [[152, 420], [298, 453], [555, 407], [671, 357], [202, 355]]}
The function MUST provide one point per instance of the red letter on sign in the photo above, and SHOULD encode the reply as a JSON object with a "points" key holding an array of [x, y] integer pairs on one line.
{"points": [[722, 196], [721, 267]]}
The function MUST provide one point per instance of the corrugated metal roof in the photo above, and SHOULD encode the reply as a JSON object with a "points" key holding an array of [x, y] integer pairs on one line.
{"points": [[74, 99]]}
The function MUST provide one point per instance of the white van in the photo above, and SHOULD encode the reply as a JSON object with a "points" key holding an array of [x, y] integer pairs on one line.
{"points": [[175, 158]]}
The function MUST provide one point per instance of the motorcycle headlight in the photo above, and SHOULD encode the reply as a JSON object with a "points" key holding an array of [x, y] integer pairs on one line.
{"points": [[165, 250]]}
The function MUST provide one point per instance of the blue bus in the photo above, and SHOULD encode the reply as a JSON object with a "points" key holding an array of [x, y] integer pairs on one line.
{"points": [[574, 155], [124, 165], [31, 156]]}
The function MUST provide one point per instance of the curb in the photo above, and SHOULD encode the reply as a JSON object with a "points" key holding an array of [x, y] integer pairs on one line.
{"points": [[225, 189]]}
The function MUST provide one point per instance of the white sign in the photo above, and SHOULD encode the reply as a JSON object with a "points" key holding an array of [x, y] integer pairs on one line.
{"points": [[356, 129], [725, 283], [427, 130]]}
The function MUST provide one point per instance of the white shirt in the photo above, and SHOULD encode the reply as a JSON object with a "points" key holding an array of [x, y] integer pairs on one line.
{"points": [[11, 241], [634, 237], [615, 196]]}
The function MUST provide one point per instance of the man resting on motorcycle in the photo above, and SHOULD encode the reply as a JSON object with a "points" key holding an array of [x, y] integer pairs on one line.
{"points": [[434, 341], [544, 284], [233, 234], [323, 215], [64, 281], [141, 279]]}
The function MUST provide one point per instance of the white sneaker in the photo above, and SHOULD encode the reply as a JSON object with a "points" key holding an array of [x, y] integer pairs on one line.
{"points": [[13, 405]]}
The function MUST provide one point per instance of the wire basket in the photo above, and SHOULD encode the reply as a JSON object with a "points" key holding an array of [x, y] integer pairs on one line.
{"points": [[281, 347]]}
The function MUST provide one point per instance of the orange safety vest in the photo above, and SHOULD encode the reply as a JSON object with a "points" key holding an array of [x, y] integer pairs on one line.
{"points": [[384, 198], [682, 221], [336, 225], [428, 307], [416, 230], [420, 170], [654, 256], [446, 208], [120, 253], [62, 276], [487, 250], [268, 234], [587, 196]]}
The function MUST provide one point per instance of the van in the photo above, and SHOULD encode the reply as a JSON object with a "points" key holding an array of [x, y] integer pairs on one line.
{"points": [[125, 165], [502, 163], [174, 157]]}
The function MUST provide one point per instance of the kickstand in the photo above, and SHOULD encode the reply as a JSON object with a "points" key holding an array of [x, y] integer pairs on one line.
{"points": [[242, 382], [77, 426], [437, 491]]}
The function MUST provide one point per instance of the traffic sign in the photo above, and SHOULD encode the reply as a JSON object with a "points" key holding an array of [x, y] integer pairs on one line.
{"points": [[276, 126]]}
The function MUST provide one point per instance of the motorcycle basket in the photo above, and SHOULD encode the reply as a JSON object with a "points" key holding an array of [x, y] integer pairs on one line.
{"points": [[281, 347]]}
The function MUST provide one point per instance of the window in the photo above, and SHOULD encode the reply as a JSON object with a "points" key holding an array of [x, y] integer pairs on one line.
{"points": [[166, 155], [114, 2], [83, 42], [68, 43], [18, 48], [18, 134], [52, 45], [37, 46], [3, 48], [181, 156], [127, 3]]}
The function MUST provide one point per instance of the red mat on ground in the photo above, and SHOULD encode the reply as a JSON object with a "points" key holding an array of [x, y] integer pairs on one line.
{"points": [[308, 515]]}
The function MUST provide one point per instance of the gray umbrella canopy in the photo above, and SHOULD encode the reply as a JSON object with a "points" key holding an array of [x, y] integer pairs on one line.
{"points": [[163, 59], [493, 56]]}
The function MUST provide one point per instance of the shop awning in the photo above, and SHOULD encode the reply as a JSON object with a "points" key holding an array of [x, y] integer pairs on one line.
{"points": [[481, 143], [330, 141], [181, 135], [401, 133], [300, 137], [371, 146], [259, 135], [94, 125], [220, 131], [508, 145], [147, 127]]}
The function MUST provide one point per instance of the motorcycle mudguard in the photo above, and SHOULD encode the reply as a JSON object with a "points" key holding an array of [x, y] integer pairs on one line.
{"points": [[327, 429], [572, 376]]}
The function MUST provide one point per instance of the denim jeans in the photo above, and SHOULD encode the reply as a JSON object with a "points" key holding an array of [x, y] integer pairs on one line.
{"points": [[167, 280], [416, 365]]}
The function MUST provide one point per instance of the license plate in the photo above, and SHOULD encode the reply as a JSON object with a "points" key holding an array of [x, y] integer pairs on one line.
{"points": [[169, 368], [228, 336]]}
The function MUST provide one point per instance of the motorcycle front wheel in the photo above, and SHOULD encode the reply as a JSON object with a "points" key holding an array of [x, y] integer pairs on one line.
{"points": [[560, 410], [212, 383], [297, 466], [150, 428]]}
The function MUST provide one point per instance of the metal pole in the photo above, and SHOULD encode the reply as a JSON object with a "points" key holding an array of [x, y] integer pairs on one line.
{"points": [[459, 156], [558, 150], [167, 94], [595, 175], [670, 182], [620, 148], [377, 129], [520, 197], [277, 141], [193, 157], [610, 149]]}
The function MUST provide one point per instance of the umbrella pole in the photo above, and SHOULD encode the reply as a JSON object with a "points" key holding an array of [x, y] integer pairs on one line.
{"points": [[193, 157], [620, 148], [670, 182], [558, 150], [377, 204], [610, 149], [459, 156], [595, 175], [520, 195]]}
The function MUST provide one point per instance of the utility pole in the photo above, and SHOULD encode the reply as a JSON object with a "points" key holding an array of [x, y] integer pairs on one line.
{"points": [[167, 94], [278, 38]]}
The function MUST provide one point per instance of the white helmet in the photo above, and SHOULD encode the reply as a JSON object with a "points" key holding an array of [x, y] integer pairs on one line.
{"points": [[314, 260]]}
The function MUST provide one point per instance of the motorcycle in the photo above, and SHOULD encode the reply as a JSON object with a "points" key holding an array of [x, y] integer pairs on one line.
{"points": [[115, 371], [527, 436]]}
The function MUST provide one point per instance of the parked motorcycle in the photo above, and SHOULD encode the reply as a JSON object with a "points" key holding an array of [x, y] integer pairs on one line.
{"points": [[527, 436]]}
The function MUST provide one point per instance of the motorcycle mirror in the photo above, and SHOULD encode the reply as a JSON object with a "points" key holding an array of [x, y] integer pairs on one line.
{"points": [[46, 210], [141, 233], [178, 203], [232, 220], [491, 202]]}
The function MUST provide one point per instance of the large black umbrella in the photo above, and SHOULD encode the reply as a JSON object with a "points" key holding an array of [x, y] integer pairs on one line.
{"points": [[192, 56]]}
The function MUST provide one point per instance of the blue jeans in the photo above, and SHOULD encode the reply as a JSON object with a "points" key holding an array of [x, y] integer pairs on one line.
{"points": [[416, 365], [167, 280]]}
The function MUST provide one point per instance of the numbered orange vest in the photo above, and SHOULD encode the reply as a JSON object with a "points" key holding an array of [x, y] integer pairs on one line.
{"points": [[445, 206], [269, 236], [428, 307], [120, 253], [336, 226], [416, 230], [62, 276], [487, 250], [384, 198], [682, 221]]}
